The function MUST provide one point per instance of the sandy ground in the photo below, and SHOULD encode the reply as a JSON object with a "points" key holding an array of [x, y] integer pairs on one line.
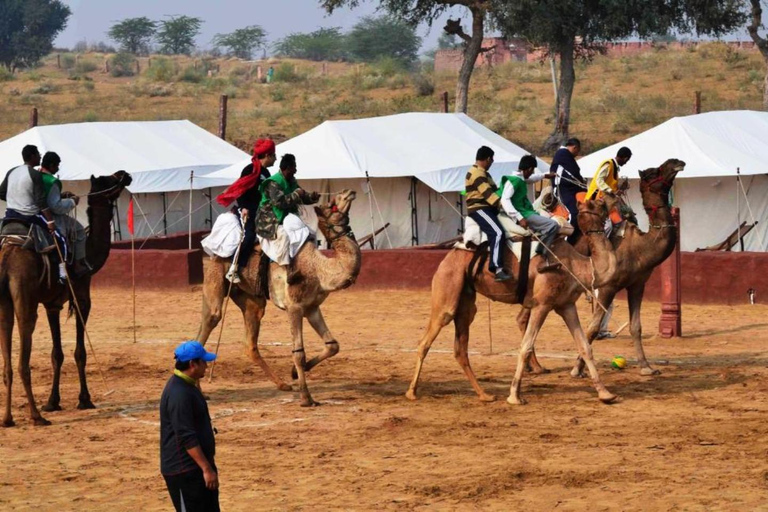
{"points": [[693, 438]]}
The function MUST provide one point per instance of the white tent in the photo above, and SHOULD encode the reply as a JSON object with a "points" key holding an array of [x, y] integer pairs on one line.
{"points": [[713, 145], [387, 154], [160, 155]]}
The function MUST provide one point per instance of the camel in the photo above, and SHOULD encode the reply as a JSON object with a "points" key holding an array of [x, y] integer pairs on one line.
{"points": [[638, 254], [457, 282], [23, 285], [318, 277]]}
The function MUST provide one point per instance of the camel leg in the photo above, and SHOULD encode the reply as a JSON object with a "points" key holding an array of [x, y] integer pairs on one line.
{"points": [[536, 320], [532, 365], [26, 317], [465, 314], [296, 318], [604, 298], [6, 338], [635, 299], [571, 317], [57, 358], [81, 354], [317, 322], [214, 296], [253, 311]]}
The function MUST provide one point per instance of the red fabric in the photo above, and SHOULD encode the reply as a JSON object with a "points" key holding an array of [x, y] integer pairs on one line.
{"points": [[238, 188], [130, 217]]}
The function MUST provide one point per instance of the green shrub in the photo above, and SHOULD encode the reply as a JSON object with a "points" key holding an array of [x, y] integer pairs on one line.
{"points": [[45, 88], [85, 66], [68, 61], [90, 117], [388, 67], [191, 75], [423, 85], [5, 75], [161, 70], [277, 93], [286, 72], [122, 64]]}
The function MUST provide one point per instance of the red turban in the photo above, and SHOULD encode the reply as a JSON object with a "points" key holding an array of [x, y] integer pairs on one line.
{"points": [[238, 188]]}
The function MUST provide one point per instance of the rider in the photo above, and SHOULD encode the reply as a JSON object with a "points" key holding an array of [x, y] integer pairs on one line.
{"points": [[61, 204], [483, 203], [24, 192], [606, 182], [569, 182], [515, 203], [246, 192]]}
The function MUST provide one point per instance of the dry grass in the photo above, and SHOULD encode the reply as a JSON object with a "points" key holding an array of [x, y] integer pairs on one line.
{"points": [[614, 97]]}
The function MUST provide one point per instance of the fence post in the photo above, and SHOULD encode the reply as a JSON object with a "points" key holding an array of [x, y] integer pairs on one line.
{"points": [[445, 102], [223, 116], [671, 289], [697, 103], [33, 117]]}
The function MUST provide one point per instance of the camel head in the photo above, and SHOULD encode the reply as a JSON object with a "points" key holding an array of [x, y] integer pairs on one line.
{"points": [[592, 215], [106, 189], [333, 218], [655, 183]]}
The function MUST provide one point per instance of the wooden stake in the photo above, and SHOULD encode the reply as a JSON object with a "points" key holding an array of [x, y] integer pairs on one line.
{"points": [[697, 103], [33, 117], [490, 331], [223, 116]]}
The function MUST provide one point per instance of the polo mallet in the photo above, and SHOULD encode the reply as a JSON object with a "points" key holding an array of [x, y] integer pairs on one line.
{"points": [[232, 268], [80, 316]]}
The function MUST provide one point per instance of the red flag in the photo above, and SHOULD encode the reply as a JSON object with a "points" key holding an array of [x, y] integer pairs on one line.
{"points": [[130, 216]]}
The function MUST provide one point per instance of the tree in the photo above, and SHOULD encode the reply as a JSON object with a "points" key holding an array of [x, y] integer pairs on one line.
{"points": [[322, 44], [373, 38], [427, 11], [27, 30], [242, 41], [756, 20], [177, 35], [576, 30], [133, 34]]}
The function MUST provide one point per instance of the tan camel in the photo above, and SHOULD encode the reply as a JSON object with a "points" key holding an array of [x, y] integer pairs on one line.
{"points": [[637, 254], [456, 283], [318, 277], [23, 286]]}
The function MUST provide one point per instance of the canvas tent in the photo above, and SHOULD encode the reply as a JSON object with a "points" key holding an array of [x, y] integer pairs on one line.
{"points": [[160, 155], [395, 157], [713, 145]]}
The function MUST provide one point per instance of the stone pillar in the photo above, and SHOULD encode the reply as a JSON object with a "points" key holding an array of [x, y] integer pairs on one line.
{"points": [[671, 289]]}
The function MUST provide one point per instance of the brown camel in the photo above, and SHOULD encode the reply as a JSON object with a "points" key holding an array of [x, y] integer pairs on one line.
{"points": [[637, 254], [23, 286], [456, 283], [318, 277]]}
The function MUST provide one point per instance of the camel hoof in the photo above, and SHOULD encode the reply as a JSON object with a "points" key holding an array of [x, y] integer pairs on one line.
{"points": [[540, 371], [51, 407], [284, 387], [577, 374], [487, 398], [609, 398], [516, 400], [648, 371], [411, 395], [41, 422], [87, 404], [9, 423], [310, 403]]}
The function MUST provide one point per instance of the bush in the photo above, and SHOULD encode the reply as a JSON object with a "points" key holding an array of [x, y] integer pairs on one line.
{"points": [[122, 64], [85, 66], [388, 67], [191, 75], [5, 75], [161, 70], [423, 85], [287, 73], [45, 88], [90, 117], [67, 61]]}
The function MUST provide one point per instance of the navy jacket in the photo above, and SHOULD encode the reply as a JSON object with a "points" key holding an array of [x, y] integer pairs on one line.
{"points": [[564, 164]]}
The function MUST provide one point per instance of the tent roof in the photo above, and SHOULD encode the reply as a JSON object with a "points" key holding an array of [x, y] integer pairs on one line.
{"points": [[711, 144], [436, 148], [158, 154]]}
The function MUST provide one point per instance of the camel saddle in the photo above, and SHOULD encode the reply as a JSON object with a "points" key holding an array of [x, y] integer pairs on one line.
{"points": [[27, 236]]}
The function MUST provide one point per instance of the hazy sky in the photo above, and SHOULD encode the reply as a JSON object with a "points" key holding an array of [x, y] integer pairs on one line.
{"points": [[91, 19]]}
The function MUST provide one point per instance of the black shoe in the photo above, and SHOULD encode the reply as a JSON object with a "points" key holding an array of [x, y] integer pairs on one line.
{"points": [[501, 275]]}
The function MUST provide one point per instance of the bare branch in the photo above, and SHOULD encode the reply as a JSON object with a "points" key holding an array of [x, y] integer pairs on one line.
{"points": [[754, 26]]}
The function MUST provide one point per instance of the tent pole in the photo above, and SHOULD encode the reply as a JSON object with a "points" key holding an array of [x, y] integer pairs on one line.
{"points": [[370, 208], [460, 207], [210, 207], [738, 209], [414, 214], [165, 219], [191, 182]]}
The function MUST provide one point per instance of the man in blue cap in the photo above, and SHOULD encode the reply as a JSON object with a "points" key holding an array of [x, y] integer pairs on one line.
{"points": [[187, 445]]}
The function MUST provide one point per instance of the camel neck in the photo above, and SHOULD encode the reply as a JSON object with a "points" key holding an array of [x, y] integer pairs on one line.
{"points": [[341, 270], [602, 266], [99, 239]]}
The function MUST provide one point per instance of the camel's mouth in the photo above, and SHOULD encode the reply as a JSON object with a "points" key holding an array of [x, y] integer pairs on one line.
{"points": [[344, 200]]}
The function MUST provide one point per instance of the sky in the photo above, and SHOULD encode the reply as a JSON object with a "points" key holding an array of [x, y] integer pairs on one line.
{"points": [[91, 19]]}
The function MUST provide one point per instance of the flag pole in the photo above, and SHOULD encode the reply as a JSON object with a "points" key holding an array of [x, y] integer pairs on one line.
{"points": [[133, 264]]}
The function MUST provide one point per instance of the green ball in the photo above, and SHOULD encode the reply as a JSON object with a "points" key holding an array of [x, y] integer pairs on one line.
{"points": [[619, 362]]}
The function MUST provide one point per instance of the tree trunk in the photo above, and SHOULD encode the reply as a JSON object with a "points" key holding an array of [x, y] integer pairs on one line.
{"points": [[564, 93], [760, 42], [471, 51]]}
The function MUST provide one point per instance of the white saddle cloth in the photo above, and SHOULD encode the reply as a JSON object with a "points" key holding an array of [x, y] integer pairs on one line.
{"points": [[474, 235], [225, 236], [291, 236]]}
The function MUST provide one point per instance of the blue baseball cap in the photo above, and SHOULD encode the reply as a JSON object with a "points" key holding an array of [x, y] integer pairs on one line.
{"points": [[190, 350]]}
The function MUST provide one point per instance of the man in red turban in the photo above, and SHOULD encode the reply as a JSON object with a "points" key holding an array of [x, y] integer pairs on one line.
{"points": [[246, 192]]}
